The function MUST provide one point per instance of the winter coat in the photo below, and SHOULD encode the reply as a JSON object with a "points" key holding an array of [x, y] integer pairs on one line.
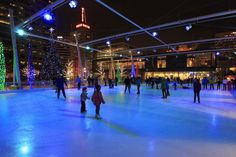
{"points": [[127, 82], [84, 96], [97, 98], [196, 87], [60, 83]]}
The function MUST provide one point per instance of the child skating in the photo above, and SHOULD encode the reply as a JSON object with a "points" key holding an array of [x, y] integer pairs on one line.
{"points": [[83, 98], [97, 99]]}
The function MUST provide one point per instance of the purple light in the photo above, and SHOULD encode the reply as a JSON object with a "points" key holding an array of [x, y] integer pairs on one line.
{"points": [[154, 34], [217, 53], [47, 16], [108, 43], [73, 4], [30, 28]]}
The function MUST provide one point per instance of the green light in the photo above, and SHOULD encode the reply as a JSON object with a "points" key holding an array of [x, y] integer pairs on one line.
{"points": [[2, 67]]}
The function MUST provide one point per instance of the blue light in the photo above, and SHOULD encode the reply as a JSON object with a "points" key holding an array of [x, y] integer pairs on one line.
{"points": [[20, 32], [138, 52], [188, 27], [108, 43], [217, 53], [24, 149], [73, 3], [127, 38], [154, 34], [87, 48], [30, 28], [47, 16]]}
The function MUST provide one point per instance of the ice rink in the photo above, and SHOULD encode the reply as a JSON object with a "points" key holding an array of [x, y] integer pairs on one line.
{"points": [[37, 124]]}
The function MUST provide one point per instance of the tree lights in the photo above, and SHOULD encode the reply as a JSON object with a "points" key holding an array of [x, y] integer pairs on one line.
{"points": [[2, 67]]}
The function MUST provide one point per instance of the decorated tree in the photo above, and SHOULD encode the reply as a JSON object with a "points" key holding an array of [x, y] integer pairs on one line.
{"points": [[69, 70], [2, 67], [51, 66], [101, 70], [30, 67], [118, 73]]}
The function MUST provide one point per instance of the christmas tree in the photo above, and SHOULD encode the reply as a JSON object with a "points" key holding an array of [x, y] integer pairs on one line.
{"points": [[30, 67], [2, 67], [51, 66]]}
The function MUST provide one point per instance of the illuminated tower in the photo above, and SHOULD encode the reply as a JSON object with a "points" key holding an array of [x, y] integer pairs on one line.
{"points": [[83, 33], [83, 29]]}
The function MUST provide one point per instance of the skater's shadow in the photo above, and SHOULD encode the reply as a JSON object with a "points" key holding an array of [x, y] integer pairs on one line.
{"points": [[107, 123], [78, 116]]}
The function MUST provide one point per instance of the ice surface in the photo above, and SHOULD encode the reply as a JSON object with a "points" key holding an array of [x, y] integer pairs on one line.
{"points": [[37, 124]]}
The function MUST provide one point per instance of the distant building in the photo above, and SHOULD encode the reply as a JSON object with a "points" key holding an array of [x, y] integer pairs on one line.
{"points": [[83, 33], [22, 10]]}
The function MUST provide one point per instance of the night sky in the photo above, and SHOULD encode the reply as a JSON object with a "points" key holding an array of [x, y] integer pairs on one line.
{"points": [[148, 13]]}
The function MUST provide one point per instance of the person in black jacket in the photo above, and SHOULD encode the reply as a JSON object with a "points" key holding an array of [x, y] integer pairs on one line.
{"points": [[127, 84], [197, 89], [60, 86]]}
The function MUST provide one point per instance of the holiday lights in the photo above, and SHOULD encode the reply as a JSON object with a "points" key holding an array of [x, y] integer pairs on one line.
{"points": [[2, 67]]}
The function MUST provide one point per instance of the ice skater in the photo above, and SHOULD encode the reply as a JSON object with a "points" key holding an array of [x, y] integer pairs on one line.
{"points": [[163, 88], [138, 83], [97, 99], [60, 86], [83, 98], [127, 84], [78, 81], [196, 90]]}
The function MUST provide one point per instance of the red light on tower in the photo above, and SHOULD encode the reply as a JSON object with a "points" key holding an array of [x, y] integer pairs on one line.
{"points": [[83, 20]]}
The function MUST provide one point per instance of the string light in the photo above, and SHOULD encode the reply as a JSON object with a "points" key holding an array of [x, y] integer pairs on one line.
{"points": [[2, 67]]}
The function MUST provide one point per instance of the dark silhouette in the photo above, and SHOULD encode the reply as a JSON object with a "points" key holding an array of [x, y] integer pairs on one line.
{"points": [[60, 86], [127, 84], [78, 80], [138, 83], [196, 90]]}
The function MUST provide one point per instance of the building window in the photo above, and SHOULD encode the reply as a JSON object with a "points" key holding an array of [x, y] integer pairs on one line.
{"points": [[161, 62]]}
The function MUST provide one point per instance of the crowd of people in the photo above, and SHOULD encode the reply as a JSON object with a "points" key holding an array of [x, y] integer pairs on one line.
{"points": [[159, 83]]}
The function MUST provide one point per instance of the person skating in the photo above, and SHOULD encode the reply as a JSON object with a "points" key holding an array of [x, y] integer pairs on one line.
{"points": [[78, 81], [97, 99], [211, 81], [127, 84], [218, 84], [225, 81], [83, 98], [138, 83], [163, 88], [196, 90], [60, 86]]}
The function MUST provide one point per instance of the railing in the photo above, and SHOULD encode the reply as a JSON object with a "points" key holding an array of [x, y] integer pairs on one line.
{"points": [[37, 85]]}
